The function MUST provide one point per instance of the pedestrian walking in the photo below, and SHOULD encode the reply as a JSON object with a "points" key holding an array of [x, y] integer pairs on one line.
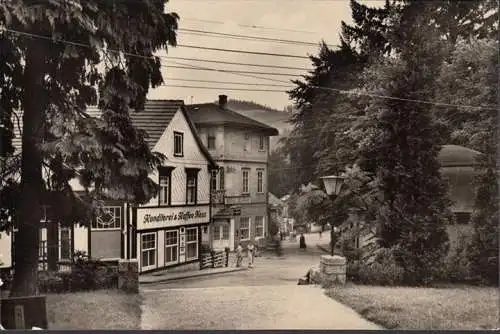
{"points": [[251, 250], [239, 255], [320, 233], [302, 241]]}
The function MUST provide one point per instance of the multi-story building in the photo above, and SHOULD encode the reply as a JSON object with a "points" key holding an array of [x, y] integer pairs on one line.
{"points": [[240, 147], [166, 232]]}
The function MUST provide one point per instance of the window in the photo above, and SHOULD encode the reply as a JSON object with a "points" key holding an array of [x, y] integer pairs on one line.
{"points": [[211, 142], [191, 243], [244, 228], [191, 185], [246, 144], [213, 180], [262, 143], [148, 248], [221, 178], [171, 247], [164, 190], [47, 214], [221, 232], [259, 226], [65, 244], [108, 218], [260, 180], [178, 144], [245, 181]]}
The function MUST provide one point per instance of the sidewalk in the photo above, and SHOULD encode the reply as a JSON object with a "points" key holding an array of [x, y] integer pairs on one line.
{"points": [[159, 278]]}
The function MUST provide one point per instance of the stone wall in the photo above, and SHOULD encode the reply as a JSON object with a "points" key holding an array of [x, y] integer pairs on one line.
{"points": [[333, 270]]}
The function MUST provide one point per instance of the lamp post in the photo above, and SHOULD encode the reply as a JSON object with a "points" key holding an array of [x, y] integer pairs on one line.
{"points": [[333, 186]]}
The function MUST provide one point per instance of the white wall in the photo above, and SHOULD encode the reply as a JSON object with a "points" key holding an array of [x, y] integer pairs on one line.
{"points": [[193, 158], [5, 250]]}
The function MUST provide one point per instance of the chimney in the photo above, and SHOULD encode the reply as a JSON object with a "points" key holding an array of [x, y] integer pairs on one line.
{"points": [[222, 101]]}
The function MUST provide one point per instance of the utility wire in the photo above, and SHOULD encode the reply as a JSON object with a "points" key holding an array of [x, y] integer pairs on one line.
{"points": [[224, 88], [227, 82], [351, 92], [237, 63], [239, 36], [236, 71], [242, 51], [253, 26]]}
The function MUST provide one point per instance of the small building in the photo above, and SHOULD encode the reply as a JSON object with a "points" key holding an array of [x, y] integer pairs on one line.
{"points": [[458, 171], [240, 147], [165, 232]]}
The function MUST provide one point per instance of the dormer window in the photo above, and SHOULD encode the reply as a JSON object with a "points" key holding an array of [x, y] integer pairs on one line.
{"points": [[211, 142], [178, 144]]}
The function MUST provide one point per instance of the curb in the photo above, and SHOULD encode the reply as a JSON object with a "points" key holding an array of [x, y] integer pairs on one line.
{"points": [[197, 274], [322, 248]]}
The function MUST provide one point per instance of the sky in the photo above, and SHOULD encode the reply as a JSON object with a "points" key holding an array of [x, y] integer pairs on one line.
{"points": [[298, 20]]}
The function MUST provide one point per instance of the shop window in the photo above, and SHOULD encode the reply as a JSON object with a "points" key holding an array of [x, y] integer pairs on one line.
{"points": [[171, 247], [244, 228], [148, 249], [108, 218], [259, 226], [178, 144], [191, 243]]}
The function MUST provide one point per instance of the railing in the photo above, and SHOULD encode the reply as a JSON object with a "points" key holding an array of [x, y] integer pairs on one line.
{"points": [[218, 196], [241, 199]]}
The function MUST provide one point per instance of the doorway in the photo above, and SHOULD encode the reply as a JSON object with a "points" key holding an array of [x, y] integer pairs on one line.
{"points": [[221, 234]]}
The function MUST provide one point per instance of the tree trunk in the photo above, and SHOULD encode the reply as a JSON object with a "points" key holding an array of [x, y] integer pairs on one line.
{"points": [[29, 207]]}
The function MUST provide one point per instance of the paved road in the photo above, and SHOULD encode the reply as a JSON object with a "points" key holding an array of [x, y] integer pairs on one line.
{"points": [[264, 297]]}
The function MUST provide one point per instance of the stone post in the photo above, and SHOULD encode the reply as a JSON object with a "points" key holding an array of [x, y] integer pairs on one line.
{"points": [[333, 270], [128, 276]]}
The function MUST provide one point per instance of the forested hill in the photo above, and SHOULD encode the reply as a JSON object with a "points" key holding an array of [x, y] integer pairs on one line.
{"points": [[264, 114]]}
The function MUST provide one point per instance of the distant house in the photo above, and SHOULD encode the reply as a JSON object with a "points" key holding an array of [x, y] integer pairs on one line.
{"points": [[240, 147], [458, 170]]}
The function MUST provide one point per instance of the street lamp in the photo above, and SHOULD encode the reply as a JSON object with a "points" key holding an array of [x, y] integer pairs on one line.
{"points": [[333, 186]]}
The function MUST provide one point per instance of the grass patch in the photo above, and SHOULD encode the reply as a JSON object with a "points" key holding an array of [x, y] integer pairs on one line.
{"points": [[452, 308], [103, 309]]}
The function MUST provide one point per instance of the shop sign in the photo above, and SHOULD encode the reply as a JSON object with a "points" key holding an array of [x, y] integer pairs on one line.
{"points": [[148, 218]]}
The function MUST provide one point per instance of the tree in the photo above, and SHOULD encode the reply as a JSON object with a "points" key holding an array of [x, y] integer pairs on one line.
{"points": [[403, 148], [279, 167], [51, 53], [470, 77]]}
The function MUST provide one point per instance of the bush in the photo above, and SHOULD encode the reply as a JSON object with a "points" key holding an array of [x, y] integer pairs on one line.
{"points": [[456, 268], [382, 271]]}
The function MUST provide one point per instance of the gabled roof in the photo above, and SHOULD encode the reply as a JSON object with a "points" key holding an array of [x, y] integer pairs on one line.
{"points": [[274, 200], [213, 114], [155, 118]]}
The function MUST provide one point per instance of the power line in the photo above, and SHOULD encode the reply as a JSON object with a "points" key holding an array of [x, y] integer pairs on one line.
{"points": [[229, 82], [237, 63], [239, 36], [237, 71], [231, 72], [227, 88], [242, 51], [351, 92], [253, 26]]}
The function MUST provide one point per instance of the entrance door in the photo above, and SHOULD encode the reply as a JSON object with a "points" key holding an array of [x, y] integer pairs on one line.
{"points": [[221, 234]]}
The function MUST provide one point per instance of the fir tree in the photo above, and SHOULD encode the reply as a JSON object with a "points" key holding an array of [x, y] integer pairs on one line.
{"points": [[53, 82]]}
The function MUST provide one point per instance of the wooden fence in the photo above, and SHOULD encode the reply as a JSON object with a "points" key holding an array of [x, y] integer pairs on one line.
{"points": [[214, 259]]}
